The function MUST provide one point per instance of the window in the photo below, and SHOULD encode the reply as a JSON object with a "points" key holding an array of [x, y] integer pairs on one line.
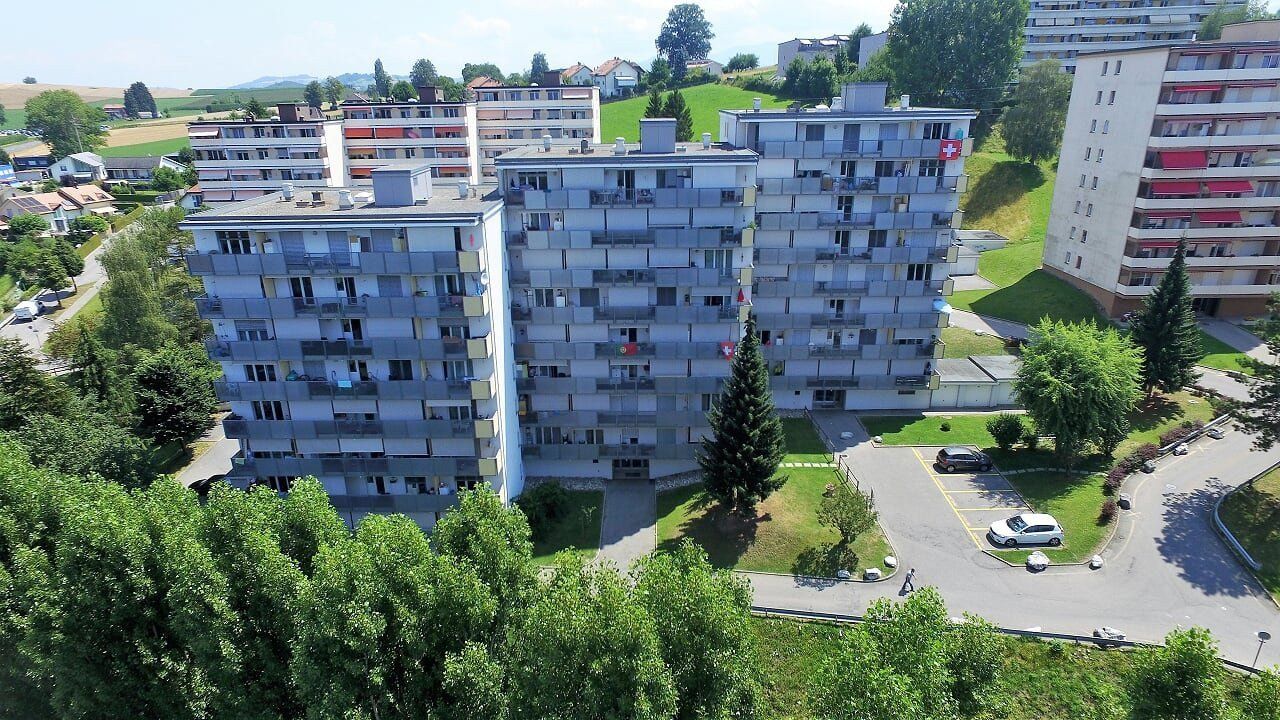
{"points": [[279, 483], [1084, 236], [268, 410], [877, 238], [932, 168], [1095, 182], [1100, 153], [1106, 126], [1066, 259], [399, 369], [1083, 180], [547, 297], [1271, 61], [234, 242], [1088, 152], [1119, 63], [260, 373], [1077, 210], [1078, 259], [813, 132], [1111, 99], [1073, 233], [918, 272], [1104, 67], [1088, 211], [1098, 100], [937, 131], [1093, 126]]}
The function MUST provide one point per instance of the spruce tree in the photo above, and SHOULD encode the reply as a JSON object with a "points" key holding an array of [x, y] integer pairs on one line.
{"points": [[740, 459], [655, 108], [677, 108], [1165, 329], [92, 361]]}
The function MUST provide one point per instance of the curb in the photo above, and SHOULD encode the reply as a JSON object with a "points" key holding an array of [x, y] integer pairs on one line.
{"points": [[1226, 533], [822, 578]]}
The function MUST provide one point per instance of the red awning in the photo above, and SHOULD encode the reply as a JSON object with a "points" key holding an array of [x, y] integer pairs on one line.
{"points": [[1161, 214], [1175, 187], [1219, 216], [1229, 186], [1183, 159], [1197, 88], [1158, 243]]}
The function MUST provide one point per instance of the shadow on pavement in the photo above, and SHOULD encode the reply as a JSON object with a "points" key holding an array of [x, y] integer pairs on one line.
{"points": [[1189, 543]]}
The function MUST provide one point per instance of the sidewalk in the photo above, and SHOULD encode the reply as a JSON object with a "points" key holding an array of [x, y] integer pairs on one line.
{"points": [[1238, 338], [214, 461], [627, 530], [989, 325]]}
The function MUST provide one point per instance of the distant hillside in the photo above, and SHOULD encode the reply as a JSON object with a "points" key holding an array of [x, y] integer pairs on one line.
{"points": [[270, 81]]}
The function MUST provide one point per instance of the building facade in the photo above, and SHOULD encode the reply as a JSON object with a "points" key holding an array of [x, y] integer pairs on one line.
{"points": [[857, 212], [631, 276], [509, 117], [244, 159], [364, 339], [427, 130], [809, 49], [1063, 29], [1166, 143]]}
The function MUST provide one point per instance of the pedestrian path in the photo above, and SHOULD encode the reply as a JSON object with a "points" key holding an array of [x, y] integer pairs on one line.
{"points": [[807, 464], [988, 325], [628, 528], [1237, 337]]}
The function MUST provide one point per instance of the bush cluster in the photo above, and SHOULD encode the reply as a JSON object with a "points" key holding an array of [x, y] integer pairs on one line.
{"points": [[1108, 512], [1181, 432], [544, 505], [1128, 465], [1007, 429]]}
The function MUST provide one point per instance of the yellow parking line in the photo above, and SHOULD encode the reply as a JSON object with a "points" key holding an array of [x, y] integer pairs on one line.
{"points": [[946, 497], [998, 507]]}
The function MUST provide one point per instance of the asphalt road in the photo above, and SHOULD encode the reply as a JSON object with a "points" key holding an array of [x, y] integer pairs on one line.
{"points": [[1165, 569]]}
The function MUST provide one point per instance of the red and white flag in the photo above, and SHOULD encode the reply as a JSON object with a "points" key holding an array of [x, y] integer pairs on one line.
{"points": [[950, 149]]}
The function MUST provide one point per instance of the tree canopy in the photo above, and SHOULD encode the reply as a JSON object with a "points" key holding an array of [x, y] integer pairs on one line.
{"points": [[1260, 414], [313, 93], [686, 35], [423, 73], [538, 67], [137, 99], [334, 91], [1166, 332], [381, 79], [1033, 126], [1224, 14], [742, 61], [66, 123], [471, 71]]}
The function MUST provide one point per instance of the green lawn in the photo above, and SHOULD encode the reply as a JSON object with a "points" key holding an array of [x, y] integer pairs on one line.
{"points": [[622, 118], [927, 429], [159, 147], [1013, 199], [1220, 355], [14, 119], [13, 139], [961, 343], [1075, 502], [578, 534], [784, 537], [803, 442], [1253, 515], [1160, 414]]}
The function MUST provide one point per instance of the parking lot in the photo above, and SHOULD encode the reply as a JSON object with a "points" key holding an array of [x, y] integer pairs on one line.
{"points": [[977, 498]]}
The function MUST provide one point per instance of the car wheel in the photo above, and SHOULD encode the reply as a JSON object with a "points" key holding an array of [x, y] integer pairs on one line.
{"points": [[949, 468], [1055, 541], [1012, 543], [984, 467]]}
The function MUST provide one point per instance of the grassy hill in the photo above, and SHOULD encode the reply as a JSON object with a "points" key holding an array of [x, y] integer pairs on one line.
{"points": [[622, 118]]}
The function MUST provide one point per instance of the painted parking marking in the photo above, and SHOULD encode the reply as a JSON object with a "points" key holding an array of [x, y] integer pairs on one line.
{"points": [[964, 493], [929, 470]]}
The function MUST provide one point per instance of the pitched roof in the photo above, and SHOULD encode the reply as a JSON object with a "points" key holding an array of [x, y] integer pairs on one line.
{"points": [[38, 204], [573, 69], [85, 194], [611, 64], [480, 81], [87, 158]]}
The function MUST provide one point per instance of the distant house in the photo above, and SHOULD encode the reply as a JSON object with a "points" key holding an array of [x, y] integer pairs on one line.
{"points": [[481, 81], [192, 198], [712, 68], [870, 45], [61, 207], [146, 115], [808, 49], [31, 168], [115, 112], [576, 74], [138, 169], [616, 76], [83, 167]]}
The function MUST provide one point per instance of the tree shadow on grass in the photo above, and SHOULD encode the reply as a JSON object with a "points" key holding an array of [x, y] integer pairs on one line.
{"points": [[826, 560], [725, 536], [1154, 411], [1004, 184], [1034, 296]]}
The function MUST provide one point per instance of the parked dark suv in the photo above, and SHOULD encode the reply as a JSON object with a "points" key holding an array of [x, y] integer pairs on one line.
{"points": [[956, 458]]}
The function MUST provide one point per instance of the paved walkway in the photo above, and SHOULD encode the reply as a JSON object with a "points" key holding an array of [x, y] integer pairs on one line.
{"points": [[214, 461], [627, 530], [972, 282], [1238, 338], [1222, 383], [1166, 568], [989, 325]]}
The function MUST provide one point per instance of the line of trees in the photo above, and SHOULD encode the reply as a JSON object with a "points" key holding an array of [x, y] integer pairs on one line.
{"points": [[673, 107]]}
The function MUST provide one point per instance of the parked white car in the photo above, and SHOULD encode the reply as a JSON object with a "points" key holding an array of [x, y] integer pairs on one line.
{"points": [[1026, 529]]}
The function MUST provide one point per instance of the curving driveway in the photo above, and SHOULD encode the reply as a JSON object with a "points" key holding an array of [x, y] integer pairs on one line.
{"points": [[1165, 568]]}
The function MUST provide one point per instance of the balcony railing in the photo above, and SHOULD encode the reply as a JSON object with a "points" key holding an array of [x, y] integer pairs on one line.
{"points": [[283, 349], [241, 428], [332, 389], [231, 308], [341, 263]]}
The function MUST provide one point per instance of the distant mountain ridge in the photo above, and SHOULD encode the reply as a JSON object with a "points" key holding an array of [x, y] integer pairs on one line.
{"points": [[358, 81]]}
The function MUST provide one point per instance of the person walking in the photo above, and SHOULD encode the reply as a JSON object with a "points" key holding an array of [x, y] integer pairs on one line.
{"points": [[908, 586]]}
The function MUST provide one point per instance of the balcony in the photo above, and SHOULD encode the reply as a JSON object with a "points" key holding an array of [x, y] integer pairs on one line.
{"points": [[226, 308], [1203, 262], [550, 350], [862, 255], [325, 389], [817, 149], [604, 197], [284, 349], [713, 237], [664, 385], [843, 185], [238, 428], [584, 451], [603, 418], [340, 263], [397, 466], [806, 321], [859, 221]]}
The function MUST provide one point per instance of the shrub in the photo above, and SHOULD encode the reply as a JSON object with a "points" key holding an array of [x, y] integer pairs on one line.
{"points": [[1007, 429], [1114, 480], [1108, 512], [1181, 432], [945, 426], [1031, 439], [543, 505]]}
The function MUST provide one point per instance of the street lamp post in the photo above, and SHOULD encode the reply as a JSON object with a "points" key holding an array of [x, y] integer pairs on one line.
{"points": [[1263, 637]]}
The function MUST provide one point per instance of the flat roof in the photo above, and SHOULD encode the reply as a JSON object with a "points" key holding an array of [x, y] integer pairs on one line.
{"points": [[443, 205], [960, 370], [814, 115], [601, 154], [999, 367]]}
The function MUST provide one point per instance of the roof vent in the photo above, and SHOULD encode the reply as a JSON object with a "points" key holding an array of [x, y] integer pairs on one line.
{"points": [[619, 146], [546, 143], [706, 141], [837, 104], [317, 197], [344, 200], [462, 189], [755, 104], [286, 192], [904, 102], [586, 146]]}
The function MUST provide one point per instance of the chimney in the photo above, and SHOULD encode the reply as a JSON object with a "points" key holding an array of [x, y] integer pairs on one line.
{"points": [[657, 135], [755, 104], [619, 146], [317, 197], [462, 189], [401, 186], [286, 191], [288, 112], [344, 200], [586, 146], [428, 94], [706, 141], [904, 102], [546, 143]]}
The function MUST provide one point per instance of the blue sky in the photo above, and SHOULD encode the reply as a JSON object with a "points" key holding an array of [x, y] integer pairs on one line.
{"points": [[224, 42]]}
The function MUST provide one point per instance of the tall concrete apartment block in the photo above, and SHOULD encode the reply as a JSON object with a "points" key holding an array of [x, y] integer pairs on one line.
{"points": [[427, 130], [364, 338], [243, 159], [1171, 142], [1064, 29], [631, 273], [512, 117], [857, 209]]}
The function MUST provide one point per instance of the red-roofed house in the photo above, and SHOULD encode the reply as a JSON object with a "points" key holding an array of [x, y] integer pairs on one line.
{"points": [[616, 76], [576, 74]]}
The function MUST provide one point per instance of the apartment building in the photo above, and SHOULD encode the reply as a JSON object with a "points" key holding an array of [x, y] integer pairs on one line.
{"points": [[1063, 29], [809, 49], [631, 273], [1172, 142], [856, 212], [363, 338], [248, 158], [427, 130], [509, 117]]}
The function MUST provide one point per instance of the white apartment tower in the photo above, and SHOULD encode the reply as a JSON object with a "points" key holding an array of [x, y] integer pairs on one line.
{"points": [[243, 159], [857, 211], [1064, 29], [1164, 143], [631, 272], [424, 131], [364, 339], [509, 117]]}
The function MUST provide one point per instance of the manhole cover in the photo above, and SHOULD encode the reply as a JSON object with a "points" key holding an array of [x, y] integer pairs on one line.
{"points": [[1170, 488]]}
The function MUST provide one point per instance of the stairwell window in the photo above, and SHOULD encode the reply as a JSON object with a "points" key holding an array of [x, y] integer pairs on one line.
{"points": [[1088, 152], [1106, 126], [1088, 211], [1119, 64], [1111, 99], [1098, 100], [1093, 126], [1100, 153], [1104, 67]]}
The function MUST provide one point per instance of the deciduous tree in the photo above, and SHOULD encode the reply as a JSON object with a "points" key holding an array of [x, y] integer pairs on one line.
{"points": [[471, 71], [402, 91], [25, 389], [1033, 126], [1182, 679], [1224, 14], [27, 226], [537, 67], [1260, 698], [848, 511], [740, 460], [686, 35], [166, 179], [308, 522], [313, 93], [423, 73], [1166, 332], [1260, 414], [742, 61], [175, 393], [86, 443], [254, 108], [334, 91]]}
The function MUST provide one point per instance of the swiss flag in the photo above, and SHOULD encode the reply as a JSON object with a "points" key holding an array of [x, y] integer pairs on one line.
{"points": [[950, 149], [727, 349]]}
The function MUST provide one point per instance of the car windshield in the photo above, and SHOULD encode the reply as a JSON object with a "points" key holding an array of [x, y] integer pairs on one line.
{"points": [[1016, 523]]}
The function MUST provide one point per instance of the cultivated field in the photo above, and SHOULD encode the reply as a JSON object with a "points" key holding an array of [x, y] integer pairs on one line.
{"points": [[15, 95]]}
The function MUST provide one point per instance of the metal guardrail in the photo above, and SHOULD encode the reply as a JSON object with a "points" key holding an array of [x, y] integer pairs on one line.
{"points": [[1067, 637], [1226, 533], [842, 464]]}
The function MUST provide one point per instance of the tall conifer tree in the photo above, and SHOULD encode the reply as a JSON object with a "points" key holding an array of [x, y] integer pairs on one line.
{"points": [[1165, 330]]}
